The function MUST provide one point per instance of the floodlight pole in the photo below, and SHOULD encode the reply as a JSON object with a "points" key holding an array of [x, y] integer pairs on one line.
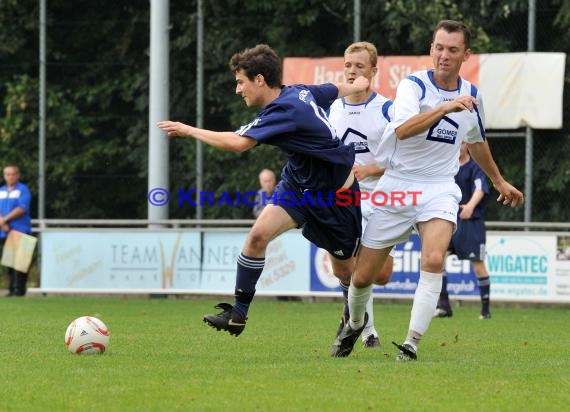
{"points": [[528, 168], [158, 144], [356, 21], [42, 116], [199, 102]]}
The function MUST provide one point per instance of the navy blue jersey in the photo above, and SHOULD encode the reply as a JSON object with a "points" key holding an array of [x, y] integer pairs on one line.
{"points": [[296, 123], [469, 179]]}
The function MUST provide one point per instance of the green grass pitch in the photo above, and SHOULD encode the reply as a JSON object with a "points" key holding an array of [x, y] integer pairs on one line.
{"points": [[163, 358]]}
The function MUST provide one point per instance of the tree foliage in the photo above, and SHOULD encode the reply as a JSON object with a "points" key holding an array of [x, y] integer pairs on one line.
{"points": [[97, 94]]}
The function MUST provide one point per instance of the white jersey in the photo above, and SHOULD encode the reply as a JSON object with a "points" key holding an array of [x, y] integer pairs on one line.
{"points": [[434, 153], [362, 125]]}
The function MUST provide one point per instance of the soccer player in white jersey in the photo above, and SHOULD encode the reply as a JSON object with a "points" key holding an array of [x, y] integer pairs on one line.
{"points": [[435, 110], [360, 120]]}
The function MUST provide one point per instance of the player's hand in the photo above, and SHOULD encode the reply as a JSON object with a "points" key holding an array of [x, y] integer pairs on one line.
{"points": [[509, 195], [361, 82], [174, 129], [360, 172], [462, 103], [465, 212]]}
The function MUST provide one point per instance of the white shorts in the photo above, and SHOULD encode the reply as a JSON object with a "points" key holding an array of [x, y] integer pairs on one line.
{"points": [[367, 207], [399, 204]]}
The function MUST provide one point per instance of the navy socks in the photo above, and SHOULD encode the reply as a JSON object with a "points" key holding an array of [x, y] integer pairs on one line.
{"points": [[248, 272]]}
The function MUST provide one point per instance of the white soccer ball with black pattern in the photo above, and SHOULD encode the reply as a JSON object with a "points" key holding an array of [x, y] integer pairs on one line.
{"points": [[87, 335]]}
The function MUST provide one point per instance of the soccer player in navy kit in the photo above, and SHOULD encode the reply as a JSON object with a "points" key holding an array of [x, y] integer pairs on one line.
{"points": [[468, 241], [435, 110], [293, 119]]}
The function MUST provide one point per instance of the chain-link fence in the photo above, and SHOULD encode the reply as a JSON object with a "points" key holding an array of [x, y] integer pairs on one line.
{"points": [[97, 81], [548, 166]]}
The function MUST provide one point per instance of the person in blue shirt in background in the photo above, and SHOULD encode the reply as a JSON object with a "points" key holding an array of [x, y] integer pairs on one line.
{"points": [[292, 118], [15, 201]]}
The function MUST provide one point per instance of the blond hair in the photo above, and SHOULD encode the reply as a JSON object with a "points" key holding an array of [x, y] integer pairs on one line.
{"points": [[364, 46]]}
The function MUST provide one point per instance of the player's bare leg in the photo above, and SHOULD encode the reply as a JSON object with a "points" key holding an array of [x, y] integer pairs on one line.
{"points": [[435, 235]]}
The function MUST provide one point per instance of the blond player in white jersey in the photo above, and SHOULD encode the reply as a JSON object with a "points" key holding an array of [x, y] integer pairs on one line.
{"points": [[360, 120], [435, 110]]}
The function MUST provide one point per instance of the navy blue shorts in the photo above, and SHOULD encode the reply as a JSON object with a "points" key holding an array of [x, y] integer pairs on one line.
{"points": [[330, 226], [468, 241]]}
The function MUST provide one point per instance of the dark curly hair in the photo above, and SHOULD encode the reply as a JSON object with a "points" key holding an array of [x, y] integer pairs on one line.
{"points": [[260, 59]]}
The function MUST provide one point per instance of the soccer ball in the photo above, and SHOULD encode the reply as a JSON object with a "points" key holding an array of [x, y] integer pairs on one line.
{"points": [[87, 335]]}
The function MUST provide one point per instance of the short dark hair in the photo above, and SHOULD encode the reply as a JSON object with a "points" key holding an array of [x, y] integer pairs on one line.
{"points": [[260, 59], [452, 26]]}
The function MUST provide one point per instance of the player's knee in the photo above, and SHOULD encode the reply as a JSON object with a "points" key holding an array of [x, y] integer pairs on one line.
{"points": [[257, 240], [359, 282], [361, 279], [433, 262]]}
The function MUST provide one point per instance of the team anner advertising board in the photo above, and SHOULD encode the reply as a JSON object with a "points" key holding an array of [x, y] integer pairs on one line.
{"points": [[524, 266]]}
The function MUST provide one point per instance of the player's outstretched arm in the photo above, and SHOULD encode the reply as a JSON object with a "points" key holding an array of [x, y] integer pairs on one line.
{"points": [[508, 194], [222, 140]]}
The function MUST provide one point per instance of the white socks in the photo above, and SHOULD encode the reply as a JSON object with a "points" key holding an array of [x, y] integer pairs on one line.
{"points": [[425, 302], [357, 300], [369, 328]]}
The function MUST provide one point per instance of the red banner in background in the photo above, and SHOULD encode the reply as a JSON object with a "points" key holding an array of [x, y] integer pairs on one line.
{"points": [[391, 70]]}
